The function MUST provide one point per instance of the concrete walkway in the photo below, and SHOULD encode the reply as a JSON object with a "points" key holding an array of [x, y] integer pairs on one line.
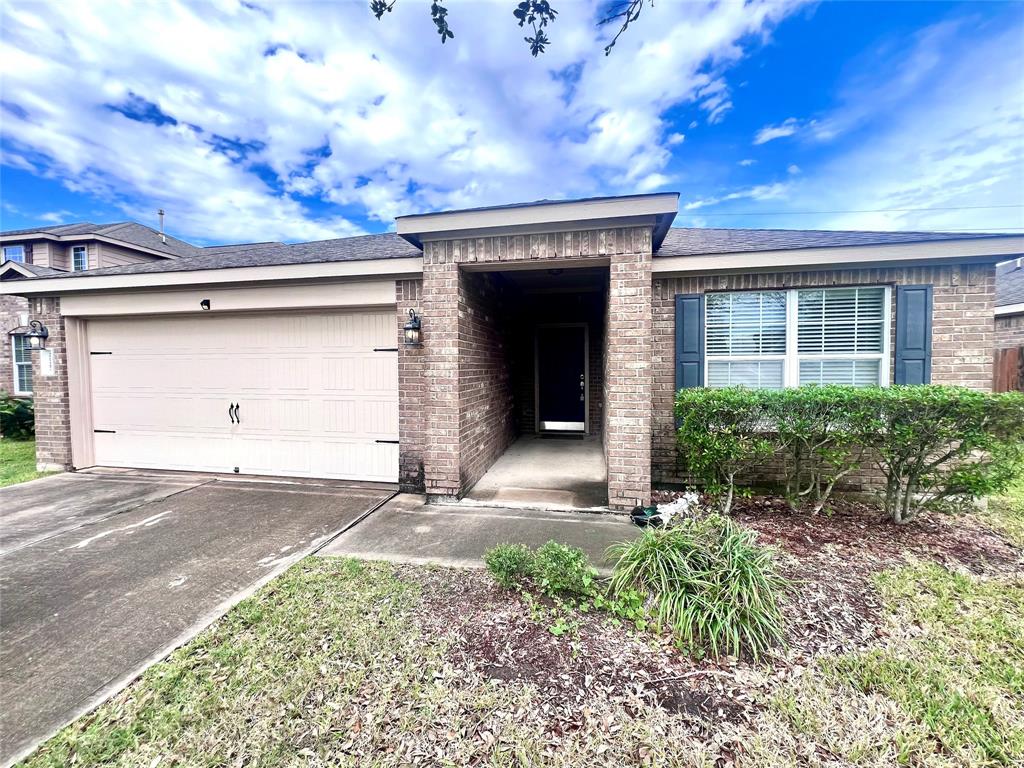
{"points": [[407, 530]]}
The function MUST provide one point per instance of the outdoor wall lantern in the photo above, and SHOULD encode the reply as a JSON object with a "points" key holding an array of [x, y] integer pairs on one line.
{"points": [[205, 305], [412, 330], [37, 335]]}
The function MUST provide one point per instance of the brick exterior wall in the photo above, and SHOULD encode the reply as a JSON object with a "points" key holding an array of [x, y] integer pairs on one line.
{"points": [[53, 423], [1010, 331], [462, 439], [11, 310], [487, 415], [412, 419], [963, 329], [628, 387]]}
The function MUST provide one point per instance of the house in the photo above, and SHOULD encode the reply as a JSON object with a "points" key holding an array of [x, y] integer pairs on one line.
{"points": [[52, 250], [422, 356], [1010, 304]]}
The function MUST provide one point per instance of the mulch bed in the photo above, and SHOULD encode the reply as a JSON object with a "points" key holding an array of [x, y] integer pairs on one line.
{"points": [[832, 608]]}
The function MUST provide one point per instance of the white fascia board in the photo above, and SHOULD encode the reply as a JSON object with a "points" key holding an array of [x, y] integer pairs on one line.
{"points": [[1010, 309], [575, 213], [978, 249], [410, 266]]}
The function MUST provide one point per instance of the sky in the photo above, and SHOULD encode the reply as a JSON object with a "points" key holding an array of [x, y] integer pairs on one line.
{"points": [[250, 120]]}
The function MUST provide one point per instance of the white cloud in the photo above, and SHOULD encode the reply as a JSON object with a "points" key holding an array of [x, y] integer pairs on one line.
{"points": [[281, 107], [793, 169], [675, 138], [759, 192], [693, 124], [746, 163], [787, 127]]}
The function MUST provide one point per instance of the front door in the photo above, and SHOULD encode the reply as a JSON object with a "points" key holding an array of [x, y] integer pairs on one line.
{"points": [[562, 378]]}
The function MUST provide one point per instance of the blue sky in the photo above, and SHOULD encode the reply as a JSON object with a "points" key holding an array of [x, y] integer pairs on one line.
{"points": [[300, 121]]}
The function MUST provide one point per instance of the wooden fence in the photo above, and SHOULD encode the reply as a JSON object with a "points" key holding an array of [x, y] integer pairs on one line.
{"points": [[1008, 372]]}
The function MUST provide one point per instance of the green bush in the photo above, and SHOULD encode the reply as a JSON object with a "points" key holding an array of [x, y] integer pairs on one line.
{"points": [[17, 419], [558, 569], [936, 447], [721, 436], [942, 447], [509, 564], [711, 585]]}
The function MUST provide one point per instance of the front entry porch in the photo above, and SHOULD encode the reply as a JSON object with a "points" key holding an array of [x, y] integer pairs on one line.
{"points": [[551, 472]]}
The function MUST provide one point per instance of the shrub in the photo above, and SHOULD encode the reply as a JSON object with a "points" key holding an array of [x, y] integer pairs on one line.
{"points": [[17, 419], [559, 569], [509, 564], [722, 435], [942, 447], [711, 585]]}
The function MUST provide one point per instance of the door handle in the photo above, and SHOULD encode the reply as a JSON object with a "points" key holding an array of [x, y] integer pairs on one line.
{"points": [[238, 419], [231, 412]]}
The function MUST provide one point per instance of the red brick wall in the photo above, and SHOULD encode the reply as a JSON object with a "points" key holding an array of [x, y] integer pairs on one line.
{"points": [[487, 423], [1009, 331], [412, 419], [963, 329], [50, 396]]}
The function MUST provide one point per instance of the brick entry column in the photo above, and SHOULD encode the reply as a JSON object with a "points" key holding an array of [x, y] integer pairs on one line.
{"points": [[441, 455], [50, 392], [628, 370]]}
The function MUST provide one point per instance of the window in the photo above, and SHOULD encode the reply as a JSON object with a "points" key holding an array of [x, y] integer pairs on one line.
{"points": [[14, 253], [79, 258], [22, 365], [772, 339]]}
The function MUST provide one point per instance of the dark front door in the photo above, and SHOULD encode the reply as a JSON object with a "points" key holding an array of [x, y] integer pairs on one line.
{"points": [[562, 378]]}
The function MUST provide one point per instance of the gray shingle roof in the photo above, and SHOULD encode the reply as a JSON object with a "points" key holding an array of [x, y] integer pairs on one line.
{"points": [[128, 232], [701, 242], [382, 246], [1010, 283]]}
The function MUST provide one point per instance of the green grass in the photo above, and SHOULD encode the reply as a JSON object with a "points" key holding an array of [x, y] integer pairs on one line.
{"points": [[325, 666], [18, 462], [1006, 513], [945, 687]]}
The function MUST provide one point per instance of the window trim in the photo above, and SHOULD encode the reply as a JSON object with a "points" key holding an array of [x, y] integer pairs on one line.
{"points": [[85, 262], [7, 258], [791, 359], [16, 365]]}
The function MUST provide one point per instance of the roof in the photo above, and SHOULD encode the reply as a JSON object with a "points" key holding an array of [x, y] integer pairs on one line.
{"points": [[128, 232], [363, 247], [1010, 283], [703, 242]]}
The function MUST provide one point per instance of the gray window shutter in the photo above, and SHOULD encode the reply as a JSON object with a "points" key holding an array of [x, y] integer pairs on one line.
{"points": [[913, 334], [689, 340]]}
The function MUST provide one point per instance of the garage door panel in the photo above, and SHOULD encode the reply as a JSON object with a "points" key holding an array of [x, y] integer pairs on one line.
{"points": [[167, 412], [314, 396]]}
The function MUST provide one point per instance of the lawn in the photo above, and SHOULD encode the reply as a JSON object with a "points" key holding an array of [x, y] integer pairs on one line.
{"points": [[904, 646], [18, 461]]}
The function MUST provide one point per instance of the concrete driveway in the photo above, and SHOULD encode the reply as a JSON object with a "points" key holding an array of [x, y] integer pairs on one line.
{"points": [[102, 573]]}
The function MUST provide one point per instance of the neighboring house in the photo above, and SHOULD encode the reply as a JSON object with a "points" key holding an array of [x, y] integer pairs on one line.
{"points": [[561, 318], [54, 250], [1010, 304]]}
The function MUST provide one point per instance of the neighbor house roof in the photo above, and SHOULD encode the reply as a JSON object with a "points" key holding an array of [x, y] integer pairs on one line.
{"points": [[128, 232], [1010, 283], [362, 247], [703, 242]]}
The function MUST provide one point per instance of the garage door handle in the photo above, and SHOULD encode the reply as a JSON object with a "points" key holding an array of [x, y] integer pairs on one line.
{"points": [[231, 412], [238, 419]]}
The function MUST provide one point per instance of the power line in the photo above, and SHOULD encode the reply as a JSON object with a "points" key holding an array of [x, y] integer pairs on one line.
{"points": [[864, 210]]}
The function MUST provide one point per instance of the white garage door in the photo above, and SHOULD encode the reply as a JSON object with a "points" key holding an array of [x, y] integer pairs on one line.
{"points": [[316, 394]]}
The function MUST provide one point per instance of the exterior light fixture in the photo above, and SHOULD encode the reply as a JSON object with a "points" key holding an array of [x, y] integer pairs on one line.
{"points": [[204, 305], [412, 330], [37, 335]]}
